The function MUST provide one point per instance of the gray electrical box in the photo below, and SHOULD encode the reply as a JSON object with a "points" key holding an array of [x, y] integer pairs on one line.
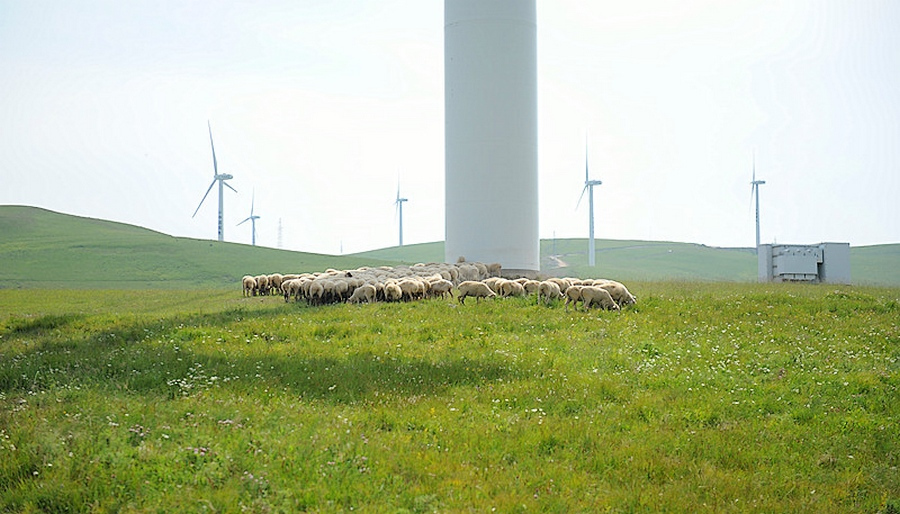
{"points": [[822, 263]]}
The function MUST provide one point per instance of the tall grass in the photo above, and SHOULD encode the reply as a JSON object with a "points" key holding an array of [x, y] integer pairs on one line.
{"points": [[702, 398]]}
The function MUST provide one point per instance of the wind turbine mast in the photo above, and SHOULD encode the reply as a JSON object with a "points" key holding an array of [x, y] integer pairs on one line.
{"points": [[589, 188], [754, 191], [252, 219], [399, 203], [220, 178]]}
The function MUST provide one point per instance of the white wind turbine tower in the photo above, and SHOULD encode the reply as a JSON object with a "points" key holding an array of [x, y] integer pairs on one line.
{"points": [[252, 218], [589, 187], [399, 208], [754, 192], [221, 180]]}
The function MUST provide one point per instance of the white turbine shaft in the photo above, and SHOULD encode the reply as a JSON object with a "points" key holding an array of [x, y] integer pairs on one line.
{"points": [[591, 252], [756, 184], [756, 187], [754, 190], [589, 188], [490, 106], [400, 203], [221, 209]]}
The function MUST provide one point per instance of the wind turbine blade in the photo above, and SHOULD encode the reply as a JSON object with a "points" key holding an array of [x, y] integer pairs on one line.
{"points": [[753, 185], [585, 160], [754, 166], [581, 197], [215, 164], [204, 197], [252, 201], [229, 186], [245, 221]]}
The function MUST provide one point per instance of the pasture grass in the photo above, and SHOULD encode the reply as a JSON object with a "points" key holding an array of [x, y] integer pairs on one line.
{"points": [[702, 398]]}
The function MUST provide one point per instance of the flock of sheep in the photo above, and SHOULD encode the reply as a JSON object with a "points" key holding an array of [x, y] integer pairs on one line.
{"points": [[420, 281]]}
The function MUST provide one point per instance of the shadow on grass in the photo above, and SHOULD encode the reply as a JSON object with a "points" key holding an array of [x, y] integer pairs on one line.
{"points": [[147, 357], [26, 325], [356, 378]]}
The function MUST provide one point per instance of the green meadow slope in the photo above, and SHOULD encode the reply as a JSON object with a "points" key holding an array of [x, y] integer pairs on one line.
{"points": [[45, 249]]}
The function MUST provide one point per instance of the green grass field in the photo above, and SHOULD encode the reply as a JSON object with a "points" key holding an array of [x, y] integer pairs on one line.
{"points": [[134, 377], [705, 397]]}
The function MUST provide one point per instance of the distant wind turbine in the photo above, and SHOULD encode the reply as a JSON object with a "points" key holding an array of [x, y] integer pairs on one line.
{"points": [[754, 192], [589, 188], [221, 180], [252, 218], [399, 208]]}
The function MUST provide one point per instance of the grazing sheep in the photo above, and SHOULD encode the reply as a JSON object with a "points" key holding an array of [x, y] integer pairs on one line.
{"points": [[441, 288], [549, 291], [511, 288], [493, 283], [473, 288], [532, 286], [413, 289], [493, 269], [561, 282], [593, 295], [275, 281], [392, 292], [292, 288], [573, 296], [339, 288], [619, 292], [262, 285], [365, 292], [249, 284], [316, 293]]}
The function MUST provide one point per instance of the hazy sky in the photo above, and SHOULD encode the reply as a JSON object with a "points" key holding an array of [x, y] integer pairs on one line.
{"points": [[321, 106]]}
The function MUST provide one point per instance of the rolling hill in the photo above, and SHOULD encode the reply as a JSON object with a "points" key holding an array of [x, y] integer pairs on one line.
{"points": [[45, 249]]}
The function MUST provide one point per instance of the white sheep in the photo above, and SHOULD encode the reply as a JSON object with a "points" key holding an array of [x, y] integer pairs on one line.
{"points": [[392, 292], [573, 296], [532, 286], [275, 281], [593, 295], [619, 292], [494, 283], [561, 282], [441, 288], [291, 288], [412, 288], [365, 292], [316, 293], [249, 284], [474, 288], [511, 288], [262, 285], [549, 291]]}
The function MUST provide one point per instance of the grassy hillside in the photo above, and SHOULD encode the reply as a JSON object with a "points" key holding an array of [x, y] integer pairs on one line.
{"points": [[704, 397], [40, 248], [654, 260]]}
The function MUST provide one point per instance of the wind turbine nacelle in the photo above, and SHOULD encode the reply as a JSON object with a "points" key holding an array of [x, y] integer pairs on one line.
{"points": [[224, 176]]}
